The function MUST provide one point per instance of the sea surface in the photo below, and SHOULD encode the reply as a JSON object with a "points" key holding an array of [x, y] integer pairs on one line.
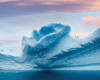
{"points": [[50, 75]]}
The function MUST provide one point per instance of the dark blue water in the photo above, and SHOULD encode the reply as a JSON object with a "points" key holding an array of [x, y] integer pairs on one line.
{"points": [[51, 75]]}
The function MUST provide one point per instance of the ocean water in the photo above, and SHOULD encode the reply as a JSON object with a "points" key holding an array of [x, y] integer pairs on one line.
{"points": [[50, 75]]}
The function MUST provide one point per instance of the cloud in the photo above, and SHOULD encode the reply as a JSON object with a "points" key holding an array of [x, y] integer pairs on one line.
{"points": [[45, 2], [64, 5], [4, 1], [54, 6], [88, 19], [91, 20], [20, 7]]}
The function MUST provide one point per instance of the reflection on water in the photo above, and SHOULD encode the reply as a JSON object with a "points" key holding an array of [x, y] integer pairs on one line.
{"points": [[51, 75]]}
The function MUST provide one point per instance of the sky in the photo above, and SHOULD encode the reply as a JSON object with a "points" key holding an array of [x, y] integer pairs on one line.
{"points": [[19, 17]]}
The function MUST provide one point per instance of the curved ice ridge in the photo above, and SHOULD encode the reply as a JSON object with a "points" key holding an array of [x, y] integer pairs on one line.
{"points": [[53, 47], [47, 42]]}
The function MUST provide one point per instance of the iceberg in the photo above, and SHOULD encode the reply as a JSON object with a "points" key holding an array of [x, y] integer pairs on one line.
{"points": [[53, 47], [50, 41]]}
